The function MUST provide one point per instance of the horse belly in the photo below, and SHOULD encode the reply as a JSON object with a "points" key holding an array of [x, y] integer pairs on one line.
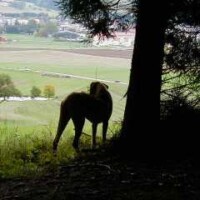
{"points": [[97, 117]]}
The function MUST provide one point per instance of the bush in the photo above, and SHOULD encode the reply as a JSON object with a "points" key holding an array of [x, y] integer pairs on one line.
{"points": [[7, 87], [178, 108], [35, 92], [49, 91]]}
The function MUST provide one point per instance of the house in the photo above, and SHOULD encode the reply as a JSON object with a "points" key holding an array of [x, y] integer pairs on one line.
{"points": [[125, 38], [2, 39]]}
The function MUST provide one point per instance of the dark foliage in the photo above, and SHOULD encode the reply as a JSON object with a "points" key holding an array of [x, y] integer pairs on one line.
{"points": [[103, 177], [178, 108], [182, 54]]}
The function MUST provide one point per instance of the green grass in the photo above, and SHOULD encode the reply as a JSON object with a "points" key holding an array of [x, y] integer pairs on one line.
{"points": [[26, 151], [29, 112]]}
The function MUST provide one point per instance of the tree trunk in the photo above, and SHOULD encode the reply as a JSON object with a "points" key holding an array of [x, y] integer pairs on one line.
{"points": [[142, 111]]}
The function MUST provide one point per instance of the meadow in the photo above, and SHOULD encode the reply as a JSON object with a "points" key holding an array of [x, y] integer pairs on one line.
{"points": [[27, 128]]}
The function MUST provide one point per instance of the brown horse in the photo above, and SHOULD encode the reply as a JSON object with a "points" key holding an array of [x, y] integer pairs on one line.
{"points": [[78, 106]]}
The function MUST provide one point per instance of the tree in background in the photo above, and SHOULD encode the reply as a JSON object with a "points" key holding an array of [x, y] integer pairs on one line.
{"points": [[49, 91], [7, 87], [31, 27], [47, 29], [35, 92], [152, 34]]}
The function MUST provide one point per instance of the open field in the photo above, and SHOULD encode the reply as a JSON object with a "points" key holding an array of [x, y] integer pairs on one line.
{"points": [[28, 128], [30, 41], [27, 69]]}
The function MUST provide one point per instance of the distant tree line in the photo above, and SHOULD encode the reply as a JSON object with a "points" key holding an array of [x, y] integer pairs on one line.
{"points": [[29, 28], [49, 4], [27, 14], [32, 27]]}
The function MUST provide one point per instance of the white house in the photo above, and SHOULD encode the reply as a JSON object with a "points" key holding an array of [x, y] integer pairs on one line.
{"points": [[125, 38]]}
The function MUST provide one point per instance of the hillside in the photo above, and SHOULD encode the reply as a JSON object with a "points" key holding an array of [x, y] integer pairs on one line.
{"points": [[29, 6], [49, 4]]}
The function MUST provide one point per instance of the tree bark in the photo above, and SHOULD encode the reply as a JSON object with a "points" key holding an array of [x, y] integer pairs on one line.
{"points": [[142, 111]]}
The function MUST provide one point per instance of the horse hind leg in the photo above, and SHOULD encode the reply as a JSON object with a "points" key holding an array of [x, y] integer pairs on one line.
{"points": [[78, 124], [104, 132], [63, 120], [94, 132]]}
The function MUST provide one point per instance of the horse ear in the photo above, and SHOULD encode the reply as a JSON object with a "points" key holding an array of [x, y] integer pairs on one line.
{"points": [[106, 85]]}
